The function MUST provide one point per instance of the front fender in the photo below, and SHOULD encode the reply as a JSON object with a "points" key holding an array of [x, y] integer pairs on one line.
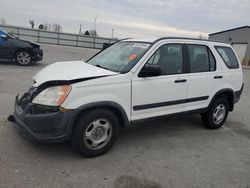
{"points": [[118, 109]]}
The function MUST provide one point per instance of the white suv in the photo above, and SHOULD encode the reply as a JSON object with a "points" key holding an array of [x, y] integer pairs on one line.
{"points": [[131, 81]]}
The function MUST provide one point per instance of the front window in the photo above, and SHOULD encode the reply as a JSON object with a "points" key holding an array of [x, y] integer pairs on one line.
{"points": [[169, 58], [2, 32], [120, 57]]}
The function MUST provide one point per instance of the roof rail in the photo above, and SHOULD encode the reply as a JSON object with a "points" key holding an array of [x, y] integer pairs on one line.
{"points": [[186, 38]]}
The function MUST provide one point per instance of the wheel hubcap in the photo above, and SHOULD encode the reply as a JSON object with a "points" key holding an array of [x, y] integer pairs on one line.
{"points": [[97, 134], [219, 113], [23, 58]]}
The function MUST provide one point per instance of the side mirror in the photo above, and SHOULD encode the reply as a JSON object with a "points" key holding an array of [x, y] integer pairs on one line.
{"points": [[150, 71], [3, 36]]}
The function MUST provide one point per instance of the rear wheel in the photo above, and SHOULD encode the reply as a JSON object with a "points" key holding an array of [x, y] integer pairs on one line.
{"points": [[95, 132], [217, 114], [23, 58]]}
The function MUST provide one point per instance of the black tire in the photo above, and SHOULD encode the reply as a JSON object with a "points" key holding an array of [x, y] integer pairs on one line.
{"points": [[79, 140], [23, 58], [208, 118]]}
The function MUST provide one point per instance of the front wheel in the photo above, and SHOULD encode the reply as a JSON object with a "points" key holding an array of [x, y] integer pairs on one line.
{"points": [[95, 132], [23, 58], [217, 114]]}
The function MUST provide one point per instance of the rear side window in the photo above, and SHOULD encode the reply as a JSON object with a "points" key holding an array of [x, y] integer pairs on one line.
{"points": [[201, 59], [228, 57]]}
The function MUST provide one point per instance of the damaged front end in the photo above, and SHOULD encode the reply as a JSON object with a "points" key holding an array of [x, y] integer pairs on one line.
{"points": [[40, 123]]}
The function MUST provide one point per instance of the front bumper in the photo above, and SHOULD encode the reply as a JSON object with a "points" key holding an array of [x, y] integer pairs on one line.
{"points": [[37, 54], [38, 127]]}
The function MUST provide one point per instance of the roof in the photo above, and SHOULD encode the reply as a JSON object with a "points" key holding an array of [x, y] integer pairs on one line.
{"points": [[154, 40], [237, 28]]}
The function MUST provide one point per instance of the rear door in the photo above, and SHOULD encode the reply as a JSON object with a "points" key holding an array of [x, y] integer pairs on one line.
{"points": [[202, 77], [164, 94]]}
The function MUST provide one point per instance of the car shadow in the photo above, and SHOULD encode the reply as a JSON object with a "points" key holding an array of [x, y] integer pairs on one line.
{"points": [[141, 132], [7, 63], [167, 126]]}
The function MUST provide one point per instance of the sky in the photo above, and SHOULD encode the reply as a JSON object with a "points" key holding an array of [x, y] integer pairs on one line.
{"points": [[131, 18]]}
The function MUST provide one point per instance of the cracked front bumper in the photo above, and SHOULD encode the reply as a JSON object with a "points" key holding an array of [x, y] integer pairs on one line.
{"points": [[39, 127]]}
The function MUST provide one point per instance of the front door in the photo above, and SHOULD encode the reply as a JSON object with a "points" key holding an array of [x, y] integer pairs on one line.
{"points": [[164, 94], [4, 46]]}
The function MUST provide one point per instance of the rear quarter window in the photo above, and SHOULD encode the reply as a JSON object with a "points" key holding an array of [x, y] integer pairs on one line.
{"points": [[228, 57]]}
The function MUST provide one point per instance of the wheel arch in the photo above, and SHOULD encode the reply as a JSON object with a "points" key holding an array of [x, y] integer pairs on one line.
{"points": [[225, 93], [21, 49], [112, 106]]}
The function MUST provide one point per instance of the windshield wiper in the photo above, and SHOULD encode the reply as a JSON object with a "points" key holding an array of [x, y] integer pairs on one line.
{"points": [[101, 67], [106, 68]]}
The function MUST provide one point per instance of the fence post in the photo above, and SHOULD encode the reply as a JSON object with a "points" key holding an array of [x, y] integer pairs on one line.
{"points": [[58, 38], [38, 36], [94, 43], [18, 32], [77, 39]]}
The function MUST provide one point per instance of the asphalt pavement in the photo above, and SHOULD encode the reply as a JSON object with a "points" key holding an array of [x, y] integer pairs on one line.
{"points": [[174, 152]]}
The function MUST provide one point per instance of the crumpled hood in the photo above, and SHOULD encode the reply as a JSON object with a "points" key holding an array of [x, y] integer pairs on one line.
{"points": [[34, 44], [69, 70]]}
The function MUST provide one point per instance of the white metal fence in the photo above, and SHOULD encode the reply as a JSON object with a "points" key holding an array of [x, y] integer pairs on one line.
{"points": [[50, 37]]}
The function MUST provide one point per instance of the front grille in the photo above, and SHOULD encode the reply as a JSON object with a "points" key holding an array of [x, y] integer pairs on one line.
{"points": [[41, 109], [35, 108], [27, 97], [38, 51]]}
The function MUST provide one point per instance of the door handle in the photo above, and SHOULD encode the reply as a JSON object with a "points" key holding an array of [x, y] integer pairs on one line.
{"points": [[180, 80], [218, 77]]}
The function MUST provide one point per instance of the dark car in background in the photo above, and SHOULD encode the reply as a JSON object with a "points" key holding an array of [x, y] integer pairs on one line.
{"points": [[20, 51]]}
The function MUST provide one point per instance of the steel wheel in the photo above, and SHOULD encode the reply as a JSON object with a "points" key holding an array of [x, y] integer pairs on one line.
{"points": [[97, 134], [219, 114], [23, 58]]}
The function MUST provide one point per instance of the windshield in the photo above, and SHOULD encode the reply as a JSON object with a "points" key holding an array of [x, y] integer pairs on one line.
{"points": [[120, 57], [2, 32]]}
